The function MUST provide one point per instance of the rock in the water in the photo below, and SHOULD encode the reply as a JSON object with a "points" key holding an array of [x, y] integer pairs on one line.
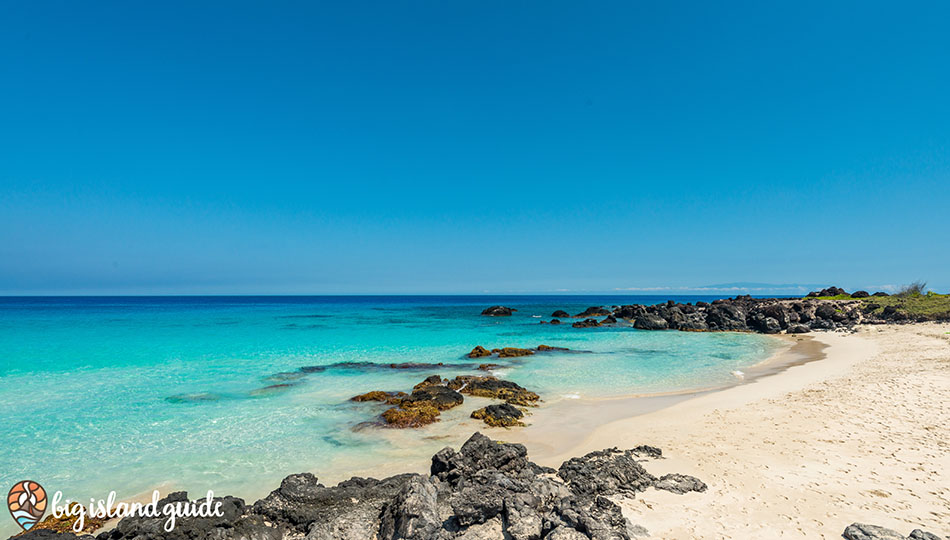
{"points": [[548, 348], [431, 380], [560, 314], [586, 323], [593, 311], [512, 352], [502, 415], [498, 311], [650, 321], [555, 321], [193, 398], [440, 397], [724, 316], [680, 483], [479, 352], [272, 389], [492, 387], [379, 395], [411, 417], [488, 367]]}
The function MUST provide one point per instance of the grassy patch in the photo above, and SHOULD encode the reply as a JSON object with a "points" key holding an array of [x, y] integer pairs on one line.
{"points": [[839, 297], [929, 306]]}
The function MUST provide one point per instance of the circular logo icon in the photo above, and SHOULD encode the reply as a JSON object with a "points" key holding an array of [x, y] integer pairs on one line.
{"points": [[27, 503]]}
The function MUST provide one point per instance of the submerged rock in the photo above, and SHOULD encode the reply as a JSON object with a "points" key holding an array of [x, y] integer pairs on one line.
{"points": [[379, 395], [502, 415], [498, 311], [284, 376], [197, 397], [512, 352], [411, 417], [272, 389]]}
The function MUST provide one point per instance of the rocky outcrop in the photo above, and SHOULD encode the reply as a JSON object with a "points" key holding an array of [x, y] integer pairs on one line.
{"points": [[498, 311], [863, 531], [747, 314], [650, 321], [420, 408], [501, 415], [606, 472], [435, 394], [560, 314], [486, 490]]}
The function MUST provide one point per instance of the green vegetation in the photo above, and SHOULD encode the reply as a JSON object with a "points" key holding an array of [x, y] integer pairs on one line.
{"points": [[910, 299], [839, 297], [916, 304], [930, 305], [916, 288]]}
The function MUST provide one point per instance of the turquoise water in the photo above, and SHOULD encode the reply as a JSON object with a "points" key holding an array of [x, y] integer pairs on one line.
{"points": [[85, 382]]}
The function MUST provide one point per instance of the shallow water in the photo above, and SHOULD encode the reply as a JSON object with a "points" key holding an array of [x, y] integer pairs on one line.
{"points": [[126, 394]]}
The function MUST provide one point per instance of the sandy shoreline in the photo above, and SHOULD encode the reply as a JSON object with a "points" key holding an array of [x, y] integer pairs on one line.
{"points": [[861, 435], [832, 429]]}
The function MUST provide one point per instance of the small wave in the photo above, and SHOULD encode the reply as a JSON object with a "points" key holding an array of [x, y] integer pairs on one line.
{"points": [[738, 374], [571, 396]]}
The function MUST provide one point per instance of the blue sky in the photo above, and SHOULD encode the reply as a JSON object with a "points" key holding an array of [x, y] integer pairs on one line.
{"points": [[435, 147]]}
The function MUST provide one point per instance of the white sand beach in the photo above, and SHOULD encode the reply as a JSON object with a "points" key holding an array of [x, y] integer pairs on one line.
{"points": [[860, 435]]}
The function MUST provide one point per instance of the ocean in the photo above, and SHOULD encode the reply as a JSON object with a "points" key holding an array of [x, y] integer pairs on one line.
{"points": [[134, 393]]}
